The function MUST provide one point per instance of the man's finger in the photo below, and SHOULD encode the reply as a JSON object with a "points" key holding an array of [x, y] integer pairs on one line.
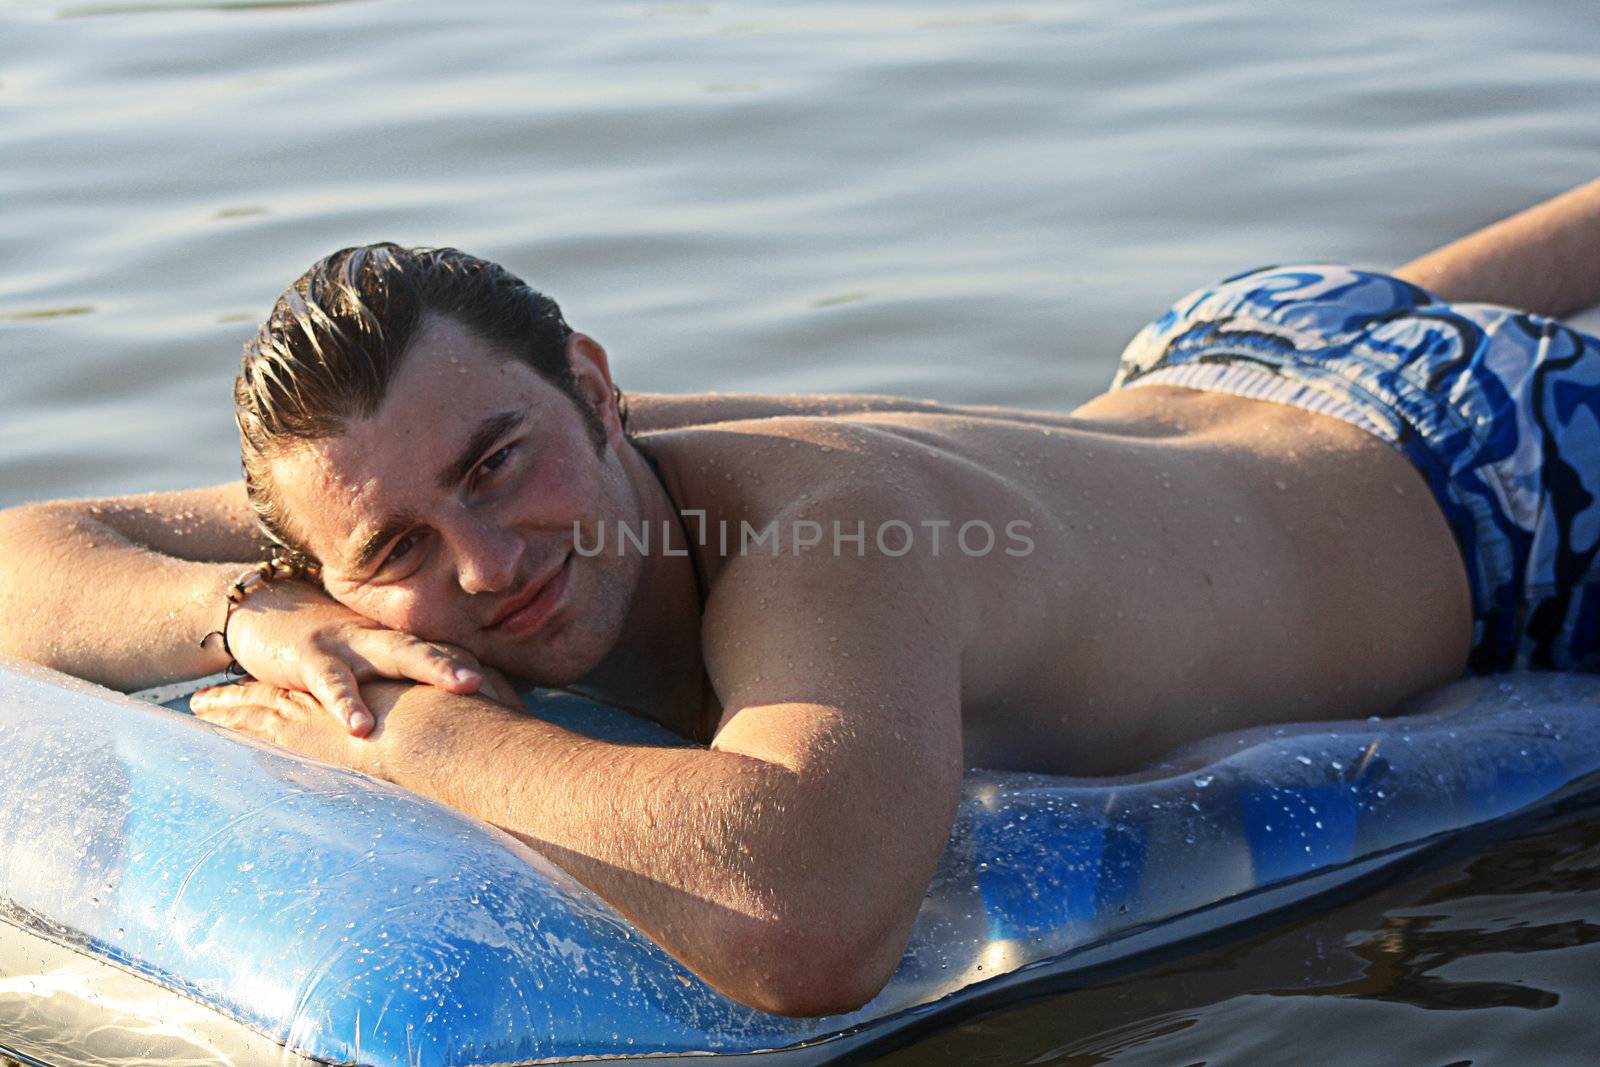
{"points": [[335, 689], [216, 697], [227, 714], [210, 706], [421, 661]]}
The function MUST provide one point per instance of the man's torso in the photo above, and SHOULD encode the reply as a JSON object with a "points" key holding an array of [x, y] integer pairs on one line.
{"points": [[1186, 562]]}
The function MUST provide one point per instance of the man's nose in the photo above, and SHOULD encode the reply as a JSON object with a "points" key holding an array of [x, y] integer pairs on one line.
{"points": [[487, 555]]}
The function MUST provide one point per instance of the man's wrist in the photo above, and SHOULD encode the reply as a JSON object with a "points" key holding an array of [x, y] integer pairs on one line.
{"points": [[214, 613], [412, 727], [425, 733]]}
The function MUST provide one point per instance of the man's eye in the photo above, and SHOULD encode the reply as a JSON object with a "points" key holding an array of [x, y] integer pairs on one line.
{"points": [[401, 549], [496, 460], [492, 463]]}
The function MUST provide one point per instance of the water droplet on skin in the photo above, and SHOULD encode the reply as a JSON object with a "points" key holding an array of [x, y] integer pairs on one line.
{"points": [[1204, 780]]}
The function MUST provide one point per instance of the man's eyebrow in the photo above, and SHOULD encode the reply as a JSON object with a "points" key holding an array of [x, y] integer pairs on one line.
{"points": [[488, 432]]}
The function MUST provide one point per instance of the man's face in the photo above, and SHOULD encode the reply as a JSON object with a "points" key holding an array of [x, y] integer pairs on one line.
{"points": [[449, 513]]}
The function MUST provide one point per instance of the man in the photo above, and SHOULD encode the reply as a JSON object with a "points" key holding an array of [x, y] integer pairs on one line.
{"points": [[1321, 492]]}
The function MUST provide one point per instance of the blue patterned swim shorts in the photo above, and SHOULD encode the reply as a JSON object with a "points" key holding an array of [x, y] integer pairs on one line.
{"points": [[1499, 410]]}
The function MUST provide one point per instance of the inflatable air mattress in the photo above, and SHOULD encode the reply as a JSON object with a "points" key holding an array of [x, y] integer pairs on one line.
{"points": [[170, 891]]}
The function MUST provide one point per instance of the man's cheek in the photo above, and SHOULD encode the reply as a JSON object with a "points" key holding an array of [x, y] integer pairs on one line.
{"points": [[430, 615], [396, 609], [410, 613]]}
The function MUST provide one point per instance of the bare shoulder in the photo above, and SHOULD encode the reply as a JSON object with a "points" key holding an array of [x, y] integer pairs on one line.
{"points": [[758, 468], [791, 575], [835, 645]]}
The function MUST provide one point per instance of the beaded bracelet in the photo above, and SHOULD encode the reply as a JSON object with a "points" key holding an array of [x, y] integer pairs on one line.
{"points": [[278, 568]]}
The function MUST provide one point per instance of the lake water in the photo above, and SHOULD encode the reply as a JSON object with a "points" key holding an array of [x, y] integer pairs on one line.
{"points": [[969, 201]]}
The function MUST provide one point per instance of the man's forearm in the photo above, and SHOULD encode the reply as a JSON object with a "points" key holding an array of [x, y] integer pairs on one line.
{"points": [[730, 863], [1545, 259], [78, 596]]}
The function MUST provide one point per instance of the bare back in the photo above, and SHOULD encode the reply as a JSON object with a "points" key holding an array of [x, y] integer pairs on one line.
{"points": [[1195, 562]]}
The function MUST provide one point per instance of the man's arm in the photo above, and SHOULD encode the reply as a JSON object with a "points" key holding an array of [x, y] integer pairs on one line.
{"points": [[1545, 259], [122, 591], [785, 863]]}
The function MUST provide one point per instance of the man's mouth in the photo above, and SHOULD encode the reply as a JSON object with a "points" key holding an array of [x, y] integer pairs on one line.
{"points": [[531, 605]]}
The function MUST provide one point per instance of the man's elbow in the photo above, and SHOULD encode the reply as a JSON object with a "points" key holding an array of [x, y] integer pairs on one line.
{"points": [[817, 970]]}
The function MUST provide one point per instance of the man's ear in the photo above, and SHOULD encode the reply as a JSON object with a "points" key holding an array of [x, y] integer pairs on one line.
{"points": [[592, 370]]}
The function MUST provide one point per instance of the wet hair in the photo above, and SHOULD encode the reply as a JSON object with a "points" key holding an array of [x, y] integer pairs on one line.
{"points": [[336, 337]]}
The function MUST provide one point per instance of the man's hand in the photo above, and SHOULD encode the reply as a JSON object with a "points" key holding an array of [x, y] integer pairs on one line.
{"points": [[298, 721], [291, 635], [288, 719]]}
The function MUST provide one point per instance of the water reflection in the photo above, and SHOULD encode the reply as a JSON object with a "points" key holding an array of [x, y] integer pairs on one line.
{"points": [[1405, 955], [46, 313], [1482, 954]]}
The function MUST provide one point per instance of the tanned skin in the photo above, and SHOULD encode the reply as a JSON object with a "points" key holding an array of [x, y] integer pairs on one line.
{"points": [[1196, 563]]}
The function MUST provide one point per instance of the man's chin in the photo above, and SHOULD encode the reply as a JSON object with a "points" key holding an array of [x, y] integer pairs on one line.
{"points": [[524, 679], [548, 666]]}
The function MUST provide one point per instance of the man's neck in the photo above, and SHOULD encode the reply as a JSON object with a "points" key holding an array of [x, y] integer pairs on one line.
{"points": [[656, 668]]}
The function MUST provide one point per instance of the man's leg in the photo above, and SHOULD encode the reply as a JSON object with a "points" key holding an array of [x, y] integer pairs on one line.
{"points": [[1545, 259]]}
